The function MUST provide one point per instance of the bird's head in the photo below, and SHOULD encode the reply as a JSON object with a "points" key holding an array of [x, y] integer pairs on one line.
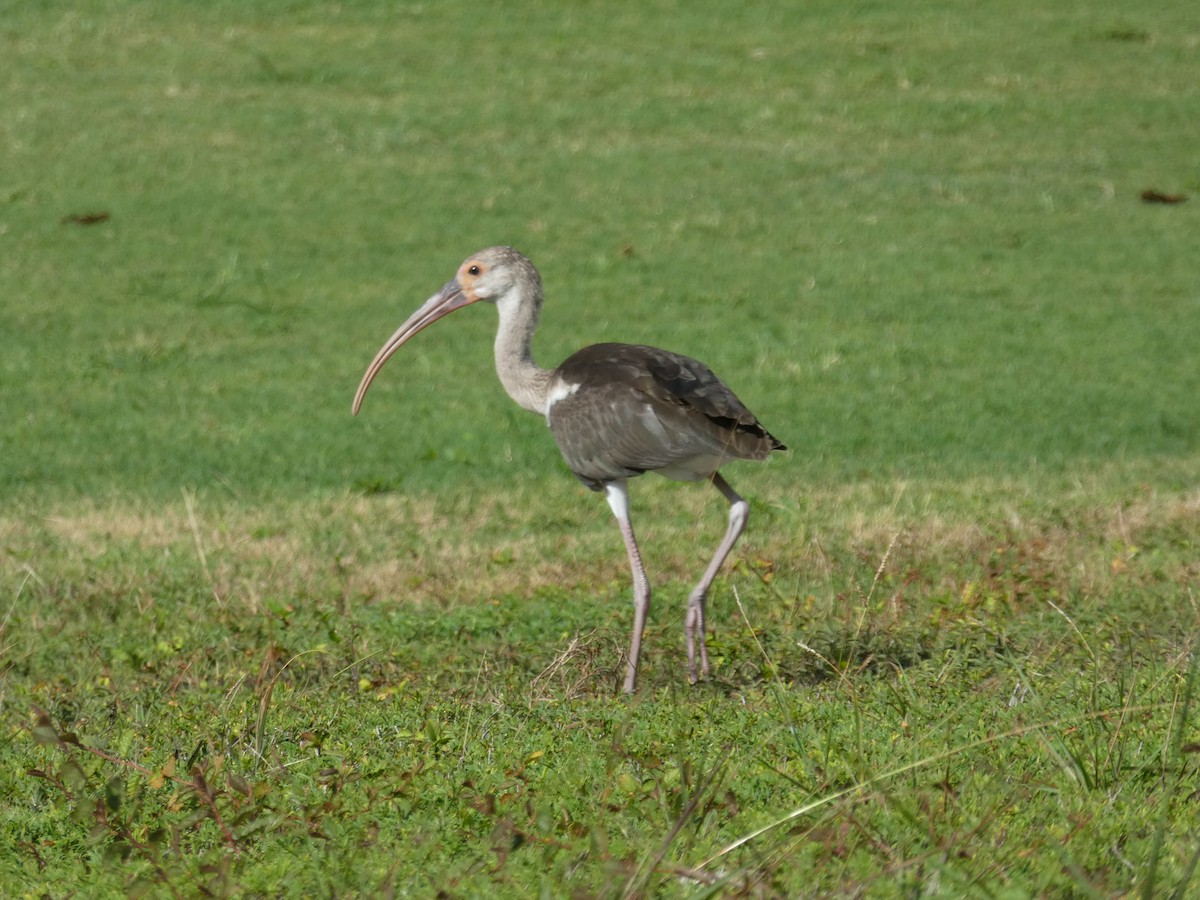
{"points": [[493, 275]]}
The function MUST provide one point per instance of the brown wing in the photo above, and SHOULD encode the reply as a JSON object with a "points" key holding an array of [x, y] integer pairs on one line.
{"points": [[635, 409]]}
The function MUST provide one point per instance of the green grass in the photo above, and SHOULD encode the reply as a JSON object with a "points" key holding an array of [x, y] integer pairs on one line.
{"points": [[253, 646]]}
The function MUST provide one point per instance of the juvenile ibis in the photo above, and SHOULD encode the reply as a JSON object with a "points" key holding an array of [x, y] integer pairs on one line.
{"points": [[615, 410]]}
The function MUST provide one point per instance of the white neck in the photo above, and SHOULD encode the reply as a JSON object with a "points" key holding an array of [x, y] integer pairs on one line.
{"points": [[523, 379]]}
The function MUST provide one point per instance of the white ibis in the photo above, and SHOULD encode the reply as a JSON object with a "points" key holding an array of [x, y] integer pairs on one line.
{"points": [[615, 410]]}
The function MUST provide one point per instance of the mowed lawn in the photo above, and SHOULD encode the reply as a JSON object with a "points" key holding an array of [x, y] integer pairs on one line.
{"points": [[253, 646]]}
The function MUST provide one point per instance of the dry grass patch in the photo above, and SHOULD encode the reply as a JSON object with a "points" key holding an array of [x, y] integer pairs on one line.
{"points": [[473, 548]]}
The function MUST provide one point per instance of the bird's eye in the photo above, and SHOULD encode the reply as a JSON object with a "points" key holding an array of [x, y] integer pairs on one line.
{"points": [[473, 270]]}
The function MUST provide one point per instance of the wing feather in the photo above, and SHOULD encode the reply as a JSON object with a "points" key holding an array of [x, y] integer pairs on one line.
{"points": [[638, 409]]}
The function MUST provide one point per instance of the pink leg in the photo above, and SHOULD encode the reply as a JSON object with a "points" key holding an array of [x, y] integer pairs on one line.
{"points": [[739, 512], [617, 494]]}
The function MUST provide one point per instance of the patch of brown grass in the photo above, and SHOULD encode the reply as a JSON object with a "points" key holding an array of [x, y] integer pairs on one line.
{"points": [[467, 548]]}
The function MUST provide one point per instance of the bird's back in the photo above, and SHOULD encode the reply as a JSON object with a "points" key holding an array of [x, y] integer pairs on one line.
{"points": [[625, 409]]}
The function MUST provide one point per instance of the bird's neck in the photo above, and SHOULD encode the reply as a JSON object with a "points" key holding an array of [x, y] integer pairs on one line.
{"points": [[526, 382]]}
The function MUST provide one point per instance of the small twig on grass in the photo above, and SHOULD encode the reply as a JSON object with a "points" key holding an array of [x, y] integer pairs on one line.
{"points": [[771, 667], [887, 555], [1074, 628], [833, 667], [745, 618], [264, 694], [867, 597], [579, 647], [264, 700], [29, 573], [191, 514]]}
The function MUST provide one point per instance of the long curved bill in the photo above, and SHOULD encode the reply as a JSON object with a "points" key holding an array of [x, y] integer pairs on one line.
{"points": [[444, 302]]}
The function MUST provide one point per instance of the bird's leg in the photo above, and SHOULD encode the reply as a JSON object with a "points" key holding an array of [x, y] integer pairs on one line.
{"points": [[617, 494], [739, 512]]}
